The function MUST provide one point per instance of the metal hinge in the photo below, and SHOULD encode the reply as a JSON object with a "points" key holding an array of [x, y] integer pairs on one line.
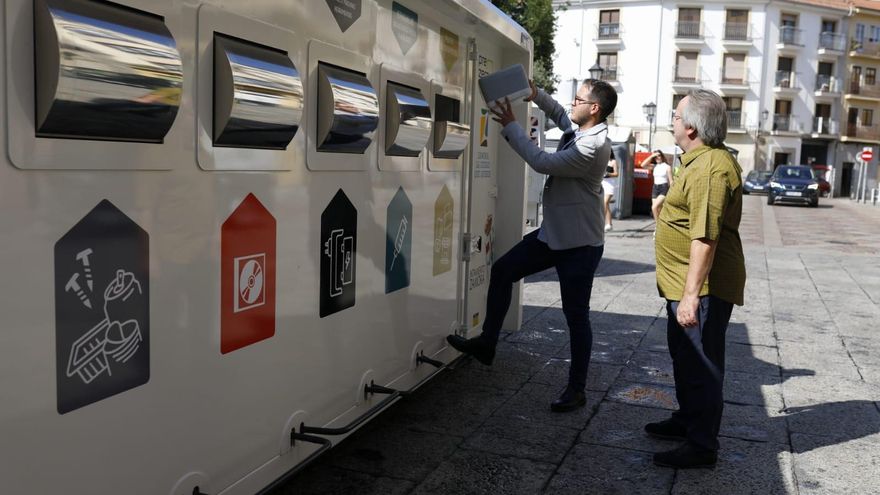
{"points": [[466, 246]]}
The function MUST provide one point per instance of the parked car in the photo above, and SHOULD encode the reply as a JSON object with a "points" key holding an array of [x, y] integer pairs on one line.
{"points": [[757, 182], [793, 184]]}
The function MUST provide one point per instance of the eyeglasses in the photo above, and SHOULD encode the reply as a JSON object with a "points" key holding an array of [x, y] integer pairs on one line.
{"points": [[580, 101]]}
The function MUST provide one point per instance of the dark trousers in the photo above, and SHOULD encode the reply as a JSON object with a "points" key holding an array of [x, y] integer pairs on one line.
{"points": [[698, 364], [575, 268]]}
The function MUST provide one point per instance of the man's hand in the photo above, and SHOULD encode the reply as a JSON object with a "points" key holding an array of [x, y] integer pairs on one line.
{"points": [[686, 315], [534, 94], [502, 112]]}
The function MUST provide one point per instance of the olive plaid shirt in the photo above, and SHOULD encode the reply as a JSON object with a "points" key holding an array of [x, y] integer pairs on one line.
{"points": [[705, 201]]}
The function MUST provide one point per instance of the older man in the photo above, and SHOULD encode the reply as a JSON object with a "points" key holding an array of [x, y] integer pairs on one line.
{"points": [[701, 274], [571, 238]]}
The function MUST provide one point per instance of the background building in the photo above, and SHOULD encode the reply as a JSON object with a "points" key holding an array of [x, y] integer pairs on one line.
{"points": [[785, 69]]}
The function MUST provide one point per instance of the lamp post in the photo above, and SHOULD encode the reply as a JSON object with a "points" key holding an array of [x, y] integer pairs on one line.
{"points": [[759, 133], [596, 71], [650, 110]]}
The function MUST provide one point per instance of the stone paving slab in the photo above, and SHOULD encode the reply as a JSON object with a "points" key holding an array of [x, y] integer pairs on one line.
{"points": [[743, 468], [756, 359], [825, 466], [323, 479], [522, 438], [622, 426], [754, 423], [838, 420], [810, 390], [751, 389], [471, 472], [532, 403], [649, 367], [597, 469], [599, 378], [387, 450]]}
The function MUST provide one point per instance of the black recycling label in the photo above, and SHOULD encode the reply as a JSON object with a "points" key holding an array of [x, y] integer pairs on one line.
{"points": [[398, 242], [346, 12], [102, 308], [338, 254]]}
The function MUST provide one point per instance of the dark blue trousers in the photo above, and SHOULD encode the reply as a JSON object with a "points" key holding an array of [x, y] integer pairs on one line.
{"points": [[698, 365], [575, 268]]}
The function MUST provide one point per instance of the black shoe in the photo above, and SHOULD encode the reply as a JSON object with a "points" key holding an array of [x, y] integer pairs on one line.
{"points": [[687, 456], [478, 347], [570, 400], [666, 429]]}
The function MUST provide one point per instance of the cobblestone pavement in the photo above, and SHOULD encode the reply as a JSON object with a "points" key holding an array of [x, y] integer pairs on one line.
{"points": [[801, 389]]}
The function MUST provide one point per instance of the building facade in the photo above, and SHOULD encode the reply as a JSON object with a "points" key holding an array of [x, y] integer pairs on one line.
{"points": [[784, 68]]}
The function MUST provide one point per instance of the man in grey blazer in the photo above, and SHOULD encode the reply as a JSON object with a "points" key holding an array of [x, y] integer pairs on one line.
{"points": [[571, 238]]}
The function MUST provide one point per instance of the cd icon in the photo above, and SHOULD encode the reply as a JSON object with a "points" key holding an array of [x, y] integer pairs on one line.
{"points": [[249, 282]]}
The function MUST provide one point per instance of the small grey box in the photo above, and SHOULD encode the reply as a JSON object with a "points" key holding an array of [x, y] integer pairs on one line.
{"points": [[510, 82]]}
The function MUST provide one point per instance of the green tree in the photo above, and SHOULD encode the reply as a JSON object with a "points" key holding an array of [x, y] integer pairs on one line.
{"points": [[539, 20]]}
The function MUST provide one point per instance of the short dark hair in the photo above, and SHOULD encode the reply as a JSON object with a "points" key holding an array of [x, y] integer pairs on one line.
{"points": [[604, 94]]}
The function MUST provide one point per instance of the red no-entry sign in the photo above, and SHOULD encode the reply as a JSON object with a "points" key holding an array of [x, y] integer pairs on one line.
{"points": [[867, 155]]}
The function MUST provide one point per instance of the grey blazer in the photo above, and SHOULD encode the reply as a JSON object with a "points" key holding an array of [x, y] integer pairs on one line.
{"points": [[573, 201]]}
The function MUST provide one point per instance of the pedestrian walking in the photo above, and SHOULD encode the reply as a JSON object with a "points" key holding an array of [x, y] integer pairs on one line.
{"points": [[701, 274], [609, 187], [571, 237], [662, 173]]}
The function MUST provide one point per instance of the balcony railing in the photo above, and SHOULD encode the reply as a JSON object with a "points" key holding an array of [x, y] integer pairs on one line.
{"points": [[691, 76], [867, 48], [735, 120], [832, 41], [790, 35], [858, 131], [609, 31], [784, 123], [785, 79], [737, 31], [827, 84], [857, 86], [689, 30], [825, 125], [610, 74]]}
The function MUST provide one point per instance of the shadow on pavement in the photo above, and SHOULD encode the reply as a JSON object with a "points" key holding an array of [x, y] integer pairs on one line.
{"points": [[488, 429]]}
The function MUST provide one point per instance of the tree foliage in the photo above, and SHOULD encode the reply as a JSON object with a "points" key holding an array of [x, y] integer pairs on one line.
{"points": [[539, 20]]}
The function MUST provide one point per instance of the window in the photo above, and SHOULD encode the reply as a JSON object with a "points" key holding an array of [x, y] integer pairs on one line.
{"points": [[829, 26], [825, 68], [823, 110], [688, 23], [788, 33], [734, 112], [686, 66], [609, 24], [784, 72], [608, 61], [875, 34], [870, 76], [737, 25], [860, 33], [867, 117], [782, 115], [676, 99], [734, 68], [822, 119]]}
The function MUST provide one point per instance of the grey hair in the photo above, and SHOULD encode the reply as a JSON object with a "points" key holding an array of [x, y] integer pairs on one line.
{"points": [[707, 113]]}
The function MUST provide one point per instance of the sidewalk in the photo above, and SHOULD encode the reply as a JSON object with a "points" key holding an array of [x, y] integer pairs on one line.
{"points": [[802, 389]]}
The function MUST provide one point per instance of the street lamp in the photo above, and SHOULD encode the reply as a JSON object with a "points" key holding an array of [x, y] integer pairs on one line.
{"points": [[596, 71], [650, 110], [759, 134]]}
